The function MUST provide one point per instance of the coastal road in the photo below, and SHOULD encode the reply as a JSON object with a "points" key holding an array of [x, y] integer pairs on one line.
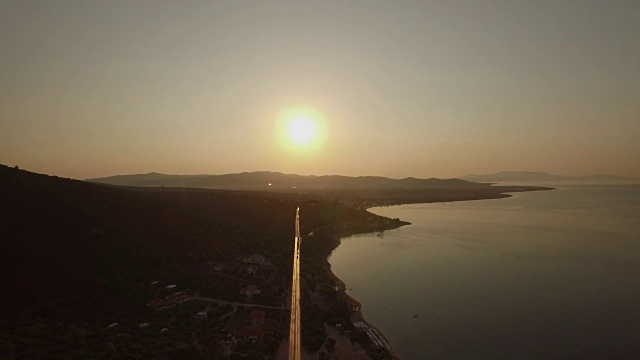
{"points": [[294, 326]]}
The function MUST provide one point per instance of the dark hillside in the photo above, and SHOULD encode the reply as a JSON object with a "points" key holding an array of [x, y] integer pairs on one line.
{"points": [[79, 245], [77, 256]]}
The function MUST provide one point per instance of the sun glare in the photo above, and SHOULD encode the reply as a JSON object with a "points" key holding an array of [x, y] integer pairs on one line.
{"points": [[300, 129]]}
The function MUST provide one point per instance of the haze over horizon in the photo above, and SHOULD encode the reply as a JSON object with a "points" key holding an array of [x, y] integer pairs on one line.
{"points": [[420, 89]]}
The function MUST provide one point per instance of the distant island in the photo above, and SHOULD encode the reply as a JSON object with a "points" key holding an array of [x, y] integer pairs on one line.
{"points": [[542, 176]]}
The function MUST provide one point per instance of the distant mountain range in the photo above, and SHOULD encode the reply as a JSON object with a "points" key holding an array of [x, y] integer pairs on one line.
{"points": [[542, 176], [266, 180]]}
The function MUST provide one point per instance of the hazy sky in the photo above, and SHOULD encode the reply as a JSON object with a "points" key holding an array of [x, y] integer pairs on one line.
{"points": [[424, 88]]}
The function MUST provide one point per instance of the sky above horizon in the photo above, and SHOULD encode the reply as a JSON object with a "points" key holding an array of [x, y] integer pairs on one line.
{"points": [[412, 88]]}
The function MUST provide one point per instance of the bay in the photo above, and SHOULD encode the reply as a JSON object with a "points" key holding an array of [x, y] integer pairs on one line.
{"points": [[550, 274]]}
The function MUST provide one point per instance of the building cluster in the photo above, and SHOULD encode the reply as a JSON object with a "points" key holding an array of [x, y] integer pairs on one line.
{"points": [[256, 279], [240, 335], [256, 330], [250, 290], [170, 300], [374, 335]]}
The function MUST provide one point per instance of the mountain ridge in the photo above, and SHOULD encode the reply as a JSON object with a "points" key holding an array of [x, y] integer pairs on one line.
{"points": [[267, 180]]}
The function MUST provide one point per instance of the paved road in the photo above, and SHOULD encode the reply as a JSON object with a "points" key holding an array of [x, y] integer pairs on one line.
{"points": [[294, 326]]}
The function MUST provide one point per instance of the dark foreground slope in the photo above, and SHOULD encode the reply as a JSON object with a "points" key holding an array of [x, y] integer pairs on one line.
{"points": [[78, 256]]}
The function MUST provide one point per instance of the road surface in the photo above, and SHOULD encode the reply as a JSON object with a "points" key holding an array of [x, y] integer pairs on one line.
{"points": [[294, 326]]}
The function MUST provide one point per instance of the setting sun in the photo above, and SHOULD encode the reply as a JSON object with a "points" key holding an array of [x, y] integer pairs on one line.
{"points": [[300, 129]]}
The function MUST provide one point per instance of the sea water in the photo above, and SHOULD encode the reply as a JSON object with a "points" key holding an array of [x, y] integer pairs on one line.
{"points": [[547, 274]]}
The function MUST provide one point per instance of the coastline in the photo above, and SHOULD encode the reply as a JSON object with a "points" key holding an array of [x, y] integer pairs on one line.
{"points": [[390, 224], [358, 316], [373, 267]]}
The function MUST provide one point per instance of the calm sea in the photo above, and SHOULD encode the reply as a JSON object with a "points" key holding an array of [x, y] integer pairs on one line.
{"points": [[540, 275]]}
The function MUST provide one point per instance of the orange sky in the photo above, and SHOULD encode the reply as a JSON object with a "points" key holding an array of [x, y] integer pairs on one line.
{"points": [[424, 89]]}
